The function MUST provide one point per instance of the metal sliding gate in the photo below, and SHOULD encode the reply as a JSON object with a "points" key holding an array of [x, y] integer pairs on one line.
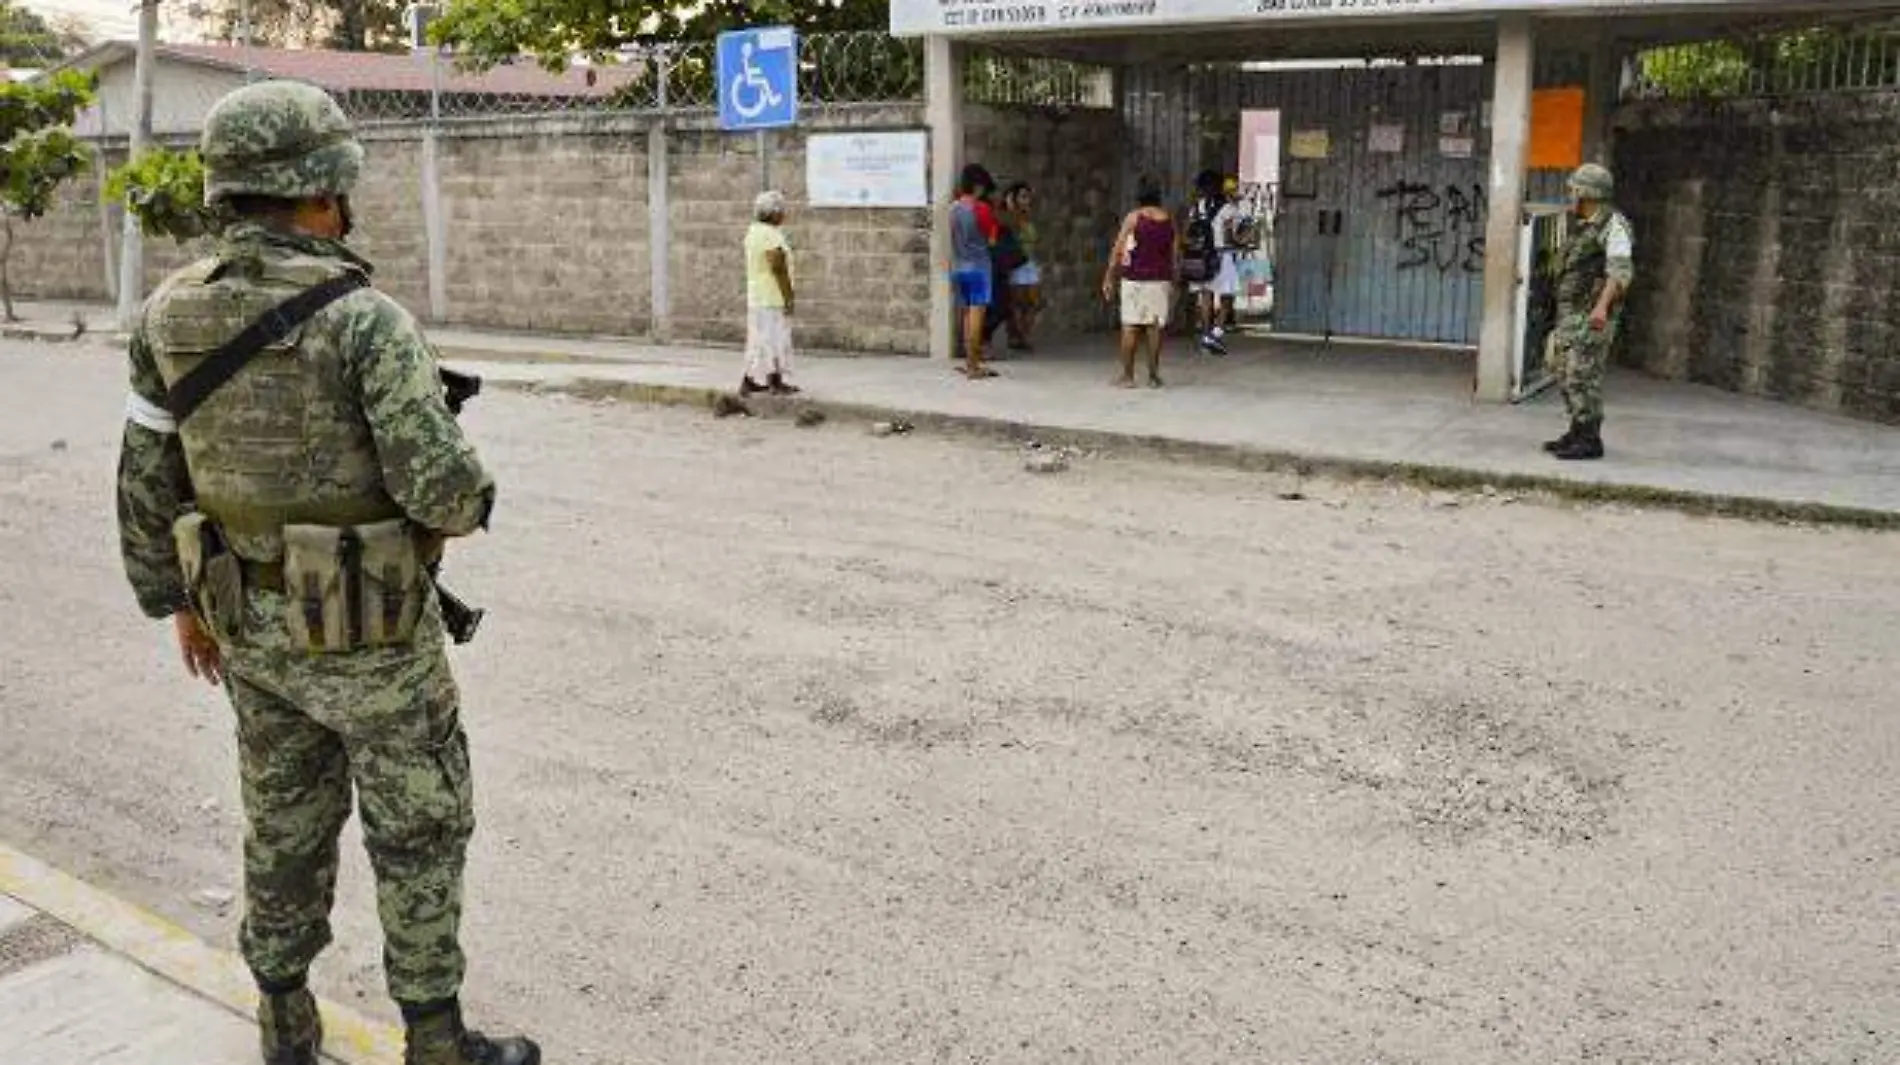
{"points": [[1381, 204]]}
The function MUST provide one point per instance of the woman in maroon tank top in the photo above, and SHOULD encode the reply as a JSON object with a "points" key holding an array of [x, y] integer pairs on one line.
{"points": [[1146, 263]]}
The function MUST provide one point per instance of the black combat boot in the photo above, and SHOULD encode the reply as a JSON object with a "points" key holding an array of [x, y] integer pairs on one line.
{"points": [[1562, 442], [290, 1030], [777, 384], [1587, 444], [436, 1036]]}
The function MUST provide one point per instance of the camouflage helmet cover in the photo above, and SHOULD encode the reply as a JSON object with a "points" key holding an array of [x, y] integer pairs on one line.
{"points": [[1592, 182], [284, 139]]}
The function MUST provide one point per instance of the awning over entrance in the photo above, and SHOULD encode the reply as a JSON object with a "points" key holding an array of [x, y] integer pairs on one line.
{"points": [[1148, 31]]}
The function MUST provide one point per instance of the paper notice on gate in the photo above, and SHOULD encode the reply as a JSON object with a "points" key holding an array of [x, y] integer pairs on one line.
{"points": [[1457, 147], [1310, 144], [1387, 140]]}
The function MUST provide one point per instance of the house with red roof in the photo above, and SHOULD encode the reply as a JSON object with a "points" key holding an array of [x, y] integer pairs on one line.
{"points": [[189, 78]]}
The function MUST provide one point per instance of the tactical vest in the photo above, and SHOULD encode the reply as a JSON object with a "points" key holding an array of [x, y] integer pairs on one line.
{"points": [[1586, 264], [285, 441]]}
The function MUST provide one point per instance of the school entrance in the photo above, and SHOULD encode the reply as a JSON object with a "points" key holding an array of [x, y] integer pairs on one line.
{"points": [[1408, 155], [1371, 178]]}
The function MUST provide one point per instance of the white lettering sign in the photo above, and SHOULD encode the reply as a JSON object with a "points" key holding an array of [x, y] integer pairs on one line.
{"points": [[868, 169], [992, 17]]}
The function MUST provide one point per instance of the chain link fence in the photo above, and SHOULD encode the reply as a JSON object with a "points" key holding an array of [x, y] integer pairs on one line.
{"points": [[1831, 59], [834, 69]]}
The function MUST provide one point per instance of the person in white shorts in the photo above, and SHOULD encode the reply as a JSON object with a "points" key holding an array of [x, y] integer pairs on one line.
{"points": [[1142, 270], [1220, 212], [769, 301]]}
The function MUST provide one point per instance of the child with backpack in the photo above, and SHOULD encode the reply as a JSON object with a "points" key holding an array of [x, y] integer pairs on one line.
{"points": [[1207, 258]]}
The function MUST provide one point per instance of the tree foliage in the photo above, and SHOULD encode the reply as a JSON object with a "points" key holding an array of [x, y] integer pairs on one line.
{"points": [[486, 32], [165, 191], [29, 41], [1775, 64], [344, 25], [38, 153]]}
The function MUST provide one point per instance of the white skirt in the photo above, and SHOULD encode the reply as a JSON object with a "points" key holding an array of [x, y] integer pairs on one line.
{"points": [[768, 343]]}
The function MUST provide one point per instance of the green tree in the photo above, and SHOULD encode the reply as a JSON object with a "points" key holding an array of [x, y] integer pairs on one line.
{"points": [[1804, 60], [487, 32], [29, 41], [344, 25], [165, 191], [38, 153]]}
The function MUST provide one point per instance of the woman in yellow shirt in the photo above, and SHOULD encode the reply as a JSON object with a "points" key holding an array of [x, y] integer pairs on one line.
{"points": [[768, 298]]}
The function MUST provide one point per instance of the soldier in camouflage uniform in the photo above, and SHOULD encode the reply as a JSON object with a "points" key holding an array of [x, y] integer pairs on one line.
{"points": [[284, 528], [1597, 269]]}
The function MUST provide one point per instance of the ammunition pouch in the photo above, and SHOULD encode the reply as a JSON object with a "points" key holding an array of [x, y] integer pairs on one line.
{"points": [[351, 587], [213, 575]]}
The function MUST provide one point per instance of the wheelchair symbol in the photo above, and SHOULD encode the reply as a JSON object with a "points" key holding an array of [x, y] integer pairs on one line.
{"points": [[751, 92]]}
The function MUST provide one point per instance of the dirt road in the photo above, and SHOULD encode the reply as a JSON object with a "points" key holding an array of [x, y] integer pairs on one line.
{"points": [[803, 746]]}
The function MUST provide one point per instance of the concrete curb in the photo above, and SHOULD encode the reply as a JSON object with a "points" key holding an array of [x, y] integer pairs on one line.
{"points": [[1754, 508], [43, 334], [171, 952]]}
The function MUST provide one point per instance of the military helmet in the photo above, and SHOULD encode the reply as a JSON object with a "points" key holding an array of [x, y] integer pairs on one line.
{"points": [[1592, 182], [279, 138]]}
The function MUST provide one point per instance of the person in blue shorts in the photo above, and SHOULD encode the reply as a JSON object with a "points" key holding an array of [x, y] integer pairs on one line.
{"points": [[973, 230]]}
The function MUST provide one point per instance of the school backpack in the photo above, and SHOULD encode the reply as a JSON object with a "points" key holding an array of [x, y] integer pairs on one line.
{"points": [[1200, 259]]}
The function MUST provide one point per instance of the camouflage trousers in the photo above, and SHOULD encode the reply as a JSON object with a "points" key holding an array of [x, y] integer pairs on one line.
{"points": [[1579, 356], [312, 728]]}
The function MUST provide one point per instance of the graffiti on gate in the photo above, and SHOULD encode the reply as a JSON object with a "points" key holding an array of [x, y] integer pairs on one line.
{"points": [[1440, 228]]}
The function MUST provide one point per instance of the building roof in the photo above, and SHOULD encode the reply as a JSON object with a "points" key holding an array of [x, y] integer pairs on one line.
{"points": [[345, 72]]}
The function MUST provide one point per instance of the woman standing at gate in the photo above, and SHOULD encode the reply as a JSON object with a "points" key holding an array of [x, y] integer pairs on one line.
{"points": [[1146, 261]]}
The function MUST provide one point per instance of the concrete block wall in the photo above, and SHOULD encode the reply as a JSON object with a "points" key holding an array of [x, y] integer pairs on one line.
{"points": [[862, 274], [1768, 247], [1072, 159], [545, 226], [389, 228], [63, 254]]}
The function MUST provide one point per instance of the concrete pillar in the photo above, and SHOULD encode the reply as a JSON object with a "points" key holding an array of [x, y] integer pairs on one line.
{"points": [[660, 230], [943, 112], [435, 233], [1510, 138]]}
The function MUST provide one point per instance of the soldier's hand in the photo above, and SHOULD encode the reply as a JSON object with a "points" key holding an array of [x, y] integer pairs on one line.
{"points": [[1599, 320], [197, 647]]}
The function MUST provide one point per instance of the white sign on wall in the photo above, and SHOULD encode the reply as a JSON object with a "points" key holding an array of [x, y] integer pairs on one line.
{"points": [[992, 17], [868, 169]]}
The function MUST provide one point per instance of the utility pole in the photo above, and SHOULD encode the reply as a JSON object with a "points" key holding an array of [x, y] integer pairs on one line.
{"points": [[132, 244]]}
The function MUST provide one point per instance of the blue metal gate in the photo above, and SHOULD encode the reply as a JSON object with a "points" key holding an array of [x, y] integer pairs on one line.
{"points": [[1382, 205]]}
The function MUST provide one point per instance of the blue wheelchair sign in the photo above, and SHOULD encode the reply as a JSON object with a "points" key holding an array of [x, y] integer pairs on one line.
{"points": [[758, 78]]}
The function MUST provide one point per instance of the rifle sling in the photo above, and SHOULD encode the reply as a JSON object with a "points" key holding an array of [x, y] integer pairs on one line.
{"points": [[271, 327]]}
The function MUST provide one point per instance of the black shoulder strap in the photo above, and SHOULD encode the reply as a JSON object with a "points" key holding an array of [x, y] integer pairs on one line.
{"points": [[270, 328]]}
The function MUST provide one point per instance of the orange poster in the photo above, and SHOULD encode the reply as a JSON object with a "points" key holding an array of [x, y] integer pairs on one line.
{"points": [[1556, 128]]}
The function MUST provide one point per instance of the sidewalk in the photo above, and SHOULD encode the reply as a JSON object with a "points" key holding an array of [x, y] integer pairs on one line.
{"points": [[1350, 410], [1355, 410], [86, 979]]}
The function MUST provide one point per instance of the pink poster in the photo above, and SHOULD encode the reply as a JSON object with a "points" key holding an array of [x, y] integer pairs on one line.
{"points": [[1260, 147]]}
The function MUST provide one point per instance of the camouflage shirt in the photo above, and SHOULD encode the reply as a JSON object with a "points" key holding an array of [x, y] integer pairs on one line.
{"points": [[1600, 249], [366, 344]]}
